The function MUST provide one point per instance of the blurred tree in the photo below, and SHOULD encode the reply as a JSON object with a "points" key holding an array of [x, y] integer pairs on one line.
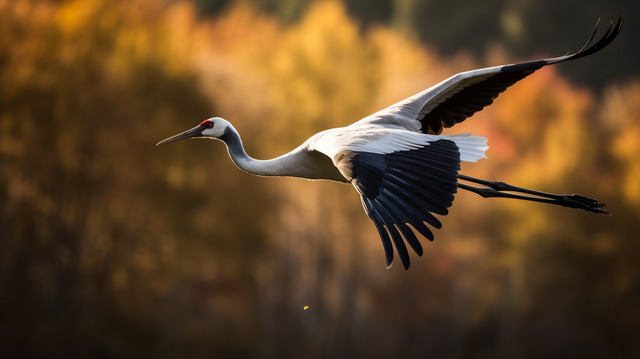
{"points": [[528, 28], [211, 7], [94, 249], [620, 115]]}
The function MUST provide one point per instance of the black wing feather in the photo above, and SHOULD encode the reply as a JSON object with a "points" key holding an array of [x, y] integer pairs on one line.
{"points": [[382, 232], [404, 188]]}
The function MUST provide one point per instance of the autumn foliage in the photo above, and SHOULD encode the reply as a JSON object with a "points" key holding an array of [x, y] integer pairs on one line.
{"points": [[112, 247]]}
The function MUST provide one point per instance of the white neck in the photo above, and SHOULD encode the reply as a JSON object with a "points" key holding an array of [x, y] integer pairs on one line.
{"points": [[280, 166], [300, 162]]}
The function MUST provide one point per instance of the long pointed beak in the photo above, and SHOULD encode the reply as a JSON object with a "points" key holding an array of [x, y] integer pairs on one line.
{"points": [[194, 132]]}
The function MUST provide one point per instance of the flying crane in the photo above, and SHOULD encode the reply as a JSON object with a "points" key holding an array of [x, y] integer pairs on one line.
{"points": [[404, 169]]}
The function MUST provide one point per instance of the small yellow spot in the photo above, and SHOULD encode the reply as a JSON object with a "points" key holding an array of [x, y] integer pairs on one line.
{"points": [[305, 307]]}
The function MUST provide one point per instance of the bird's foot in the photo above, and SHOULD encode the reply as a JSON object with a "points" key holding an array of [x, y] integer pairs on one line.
{"points": [[586, 203]]}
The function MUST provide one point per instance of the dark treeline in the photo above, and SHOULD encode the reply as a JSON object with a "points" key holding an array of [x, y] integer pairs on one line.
{"points": [[526, 28]]}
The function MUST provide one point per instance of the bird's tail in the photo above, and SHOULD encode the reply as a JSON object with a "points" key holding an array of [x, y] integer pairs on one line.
{"points": [[471, 147]]}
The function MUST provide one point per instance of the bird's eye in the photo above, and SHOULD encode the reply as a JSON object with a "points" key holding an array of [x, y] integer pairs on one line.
{"points": [[207, 124]]}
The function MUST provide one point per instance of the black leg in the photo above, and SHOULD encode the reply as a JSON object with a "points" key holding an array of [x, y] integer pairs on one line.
{"points": [[503, 190]]}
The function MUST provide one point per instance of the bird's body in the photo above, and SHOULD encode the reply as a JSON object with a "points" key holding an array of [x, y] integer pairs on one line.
{"points": [[403, 168]]}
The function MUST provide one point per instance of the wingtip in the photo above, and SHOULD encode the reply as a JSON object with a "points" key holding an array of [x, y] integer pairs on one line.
{"points": [[589, 48], [620, 21], [405, 265]]}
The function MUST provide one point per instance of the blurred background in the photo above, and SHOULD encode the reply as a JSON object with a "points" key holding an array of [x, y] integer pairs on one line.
{"points": [[112, 247]]}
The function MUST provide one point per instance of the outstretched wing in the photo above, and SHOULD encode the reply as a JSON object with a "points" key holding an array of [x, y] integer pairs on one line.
{"points": [[406, 188], [460, 96], [405, 183]]}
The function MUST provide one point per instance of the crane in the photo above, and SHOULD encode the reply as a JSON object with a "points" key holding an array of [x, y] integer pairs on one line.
{"points": [[403, 168]]}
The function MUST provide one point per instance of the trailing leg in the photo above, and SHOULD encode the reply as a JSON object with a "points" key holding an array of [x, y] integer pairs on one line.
{"points": [[505, 190]]}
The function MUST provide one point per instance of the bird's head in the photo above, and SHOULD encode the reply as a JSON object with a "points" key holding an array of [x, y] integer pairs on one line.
{"points": [[214, 127]]}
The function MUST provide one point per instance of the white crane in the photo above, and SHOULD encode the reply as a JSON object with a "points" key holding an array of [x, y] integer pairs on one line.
{"points": [[396, 159]]}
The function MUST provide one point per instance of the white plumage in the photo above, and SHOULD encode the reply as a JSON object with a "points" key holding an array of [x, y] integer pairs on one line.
{"points": [[383, 140], [397, 160]]}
